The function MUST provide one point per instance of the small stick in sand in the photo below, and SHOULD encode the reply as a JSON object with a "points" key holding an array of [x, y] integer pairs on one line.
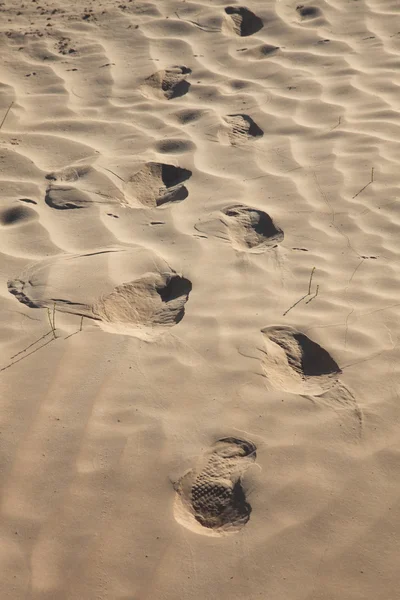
{"points": [[52, 321], [365, 186], [305, 295], [6, 115]]}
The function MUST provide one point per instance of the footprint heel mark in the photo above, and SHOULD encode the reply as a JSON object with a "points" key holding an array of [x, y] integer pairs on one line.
{"points": [[241, 129], [342, 401], [66, 198], [157, 184], [169, 83], [24, 289], [294, 363], [70, 173], [16, 287], [210, 498], [243, 21]]}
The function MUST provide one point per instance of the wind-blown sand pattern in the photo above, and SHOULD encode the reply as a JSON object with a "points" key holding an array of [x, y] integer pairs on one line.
{"points": [[199, 233]]}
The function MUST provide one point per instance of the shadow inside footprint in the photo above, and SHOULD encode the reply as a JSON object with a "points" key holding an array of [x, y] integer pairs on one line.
{"points": [[315, 360], [212, 494], [244, 21], [251, 228], [242, 128], [169, 83], [157, 184]]}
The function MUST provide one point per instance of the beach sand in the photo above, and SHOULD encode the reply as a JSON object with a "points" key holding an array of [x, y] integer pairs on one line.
{"points": [[200, 269]]}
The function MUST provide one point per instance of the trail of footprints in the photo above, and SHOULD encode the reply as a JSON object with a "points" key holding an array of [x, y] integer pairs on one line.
{"points": [[210, 498]]}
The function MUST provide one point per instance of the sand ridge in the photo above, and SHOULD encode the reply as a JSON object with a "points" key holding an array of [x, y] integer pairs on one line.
{"points": [[199, 324]]}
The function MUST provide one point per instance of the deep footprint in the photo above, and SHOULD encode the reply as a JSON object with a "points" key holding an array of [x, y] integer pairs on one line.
{"points": [[243, 21], [66, 198], [210, 498], [294, 363], [157, 184], [241, 129], [141, 307], [170, 83], [247, 229], [251, 229]]}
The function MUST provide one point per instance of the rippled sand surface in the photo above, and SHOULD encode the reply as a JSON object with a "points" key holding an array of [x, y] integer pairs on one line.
{"points": [[199, 300]]}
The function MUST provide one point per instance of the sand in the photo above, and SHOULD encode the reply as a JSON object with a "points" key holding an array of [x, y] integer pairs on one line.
{"points": [[200, 265]]}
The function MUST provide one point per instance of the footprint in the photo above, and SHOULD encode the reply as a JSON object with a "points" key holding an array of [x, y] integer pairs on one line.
{"points": [[243, 21], [17, 215], [70, 173], [308, 12], [341, 400], [294, 363], [157, 184], [247, 229], [183, 117], [94, 182], [259, 52], [77, 284], [241, 129], [174, 146], [66, 198], [251, 229], [210, 499], [157, 299], [169, 83]]}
